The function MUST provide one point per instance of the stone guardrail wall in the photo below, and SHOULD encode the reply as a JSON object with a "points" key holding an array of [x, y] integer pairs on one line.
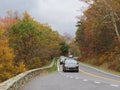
{"points": [[16, 82]]}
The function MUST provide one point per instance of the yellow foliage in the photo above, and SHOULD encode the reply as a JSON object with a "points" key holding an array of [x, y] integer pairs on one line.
{"points": [[7, 68], [117, 49], [34, 63], [21, 67]]}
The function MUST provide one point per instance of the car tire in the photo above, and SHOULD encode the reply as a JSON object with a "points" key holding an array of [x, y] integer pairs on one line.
{"points": [[77, 70]]}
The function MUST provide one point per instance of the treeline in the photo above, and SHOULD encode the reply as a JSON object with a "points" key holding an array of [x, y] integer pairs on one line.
{"points": [[96, 35], [26, 44]]}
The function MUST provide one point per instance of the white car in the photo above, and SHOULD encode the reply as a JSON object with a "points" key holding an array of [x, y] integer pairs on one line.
{"points": [[62, 59], [70, 65]]}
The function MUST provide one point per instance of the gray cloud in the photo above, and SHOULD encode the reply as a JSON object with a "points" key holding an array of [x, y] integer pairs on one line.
{"points": [[59, 14]]}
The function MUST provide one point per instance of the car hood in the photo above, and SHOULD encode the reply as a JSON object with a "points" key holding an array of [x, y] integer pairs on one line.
{"points": [[71, 65]]}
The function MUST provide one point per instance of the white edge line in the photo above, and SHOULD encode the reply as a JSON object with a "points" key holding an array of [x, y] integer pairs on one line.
{"points": [[76, 77], [114, 85], [97, 82], [85, 80], [100, 70], [58, 66]]}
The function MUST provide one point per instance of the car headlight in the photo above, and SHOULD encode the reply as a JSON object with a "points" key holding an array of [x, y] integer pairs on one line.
{"points": [[66, 65]]}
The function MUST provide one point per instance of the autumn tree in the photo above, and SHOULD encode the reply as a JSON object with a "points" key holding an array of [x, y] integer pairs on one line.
{"points": [[24, 39], [73, 48], [33, 42], [7, 67], [25, 44], [96, 33]]}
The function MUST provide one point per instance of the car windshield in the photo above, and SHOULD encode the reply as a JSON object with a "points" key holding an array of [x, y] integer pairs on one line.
{"points": [[70, 62]]}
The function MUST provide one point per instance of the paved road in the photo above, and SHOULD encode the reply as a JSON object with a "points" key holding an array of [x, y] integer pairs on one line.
{"points": [[87, 79]]}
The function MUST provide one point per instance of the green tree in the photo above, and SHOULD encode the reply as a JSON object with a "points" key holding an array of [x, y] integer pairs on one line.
{"points": [[33, 42], [64, 48], [24, 39]]}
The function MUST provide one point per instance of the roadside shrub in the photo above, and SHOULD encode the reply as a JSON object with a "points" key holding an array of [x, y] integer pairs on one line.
{"points": [[34, 63]]}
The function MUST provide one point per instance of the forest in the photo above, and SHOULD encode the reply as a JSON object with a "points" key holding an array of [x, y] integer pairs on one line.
{"points": [[27, 44], [98, 32]]}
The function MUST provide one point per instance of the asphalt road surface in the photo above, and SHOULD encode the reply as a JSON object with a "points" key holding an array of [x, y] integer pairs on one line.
{"points": [[87, 79]]}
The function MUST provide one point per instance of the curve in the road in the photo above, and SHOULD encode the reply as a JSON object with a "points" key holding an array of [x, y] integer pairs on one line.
{"points": [[89, 81], [86, 79], [94, 75]]}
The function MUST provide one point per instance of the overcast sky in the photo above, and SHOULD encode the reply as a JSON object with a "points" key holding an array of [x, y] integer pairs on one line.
{"points": [[59, 14]]}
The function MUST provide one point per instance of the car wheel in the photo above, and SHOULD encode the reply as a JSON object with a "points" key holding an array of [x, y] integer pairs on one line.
{"points": [[77, 70]]}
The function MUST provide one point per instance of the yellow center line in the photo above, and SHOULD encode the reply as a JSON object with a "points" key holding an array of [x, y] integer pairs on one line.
{"points": [[94, 75]]}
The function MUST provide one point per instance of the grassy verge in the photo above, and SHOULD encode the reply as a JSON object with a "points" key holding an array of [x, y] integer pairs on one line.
{"points": [[48, 64], [103, 68], [54, 68]]}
